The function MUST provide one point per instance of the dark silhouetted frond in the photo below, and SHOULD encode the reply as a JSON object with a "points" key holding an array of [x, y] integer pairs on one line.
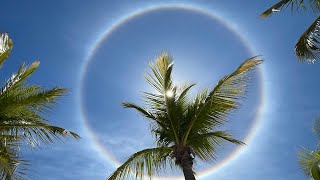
{"points": [[277, 7], [294, 5], [307, 48]]}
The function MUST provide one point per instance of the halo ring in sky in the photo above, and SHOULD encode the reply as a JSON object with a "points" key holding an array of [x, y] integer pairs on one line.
{"points": [[121, 21]]}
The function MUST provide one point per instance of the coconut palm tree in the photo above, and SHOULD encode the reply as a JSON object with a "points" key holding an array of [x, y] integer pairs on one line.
{"points": [[22, 107], [308, 46], [184, 128], [310, 160]]}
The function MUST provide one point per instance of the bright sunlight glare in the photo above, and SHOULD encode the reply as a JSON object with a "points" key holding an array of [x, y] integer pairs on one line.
{"points": [[169, 93]]}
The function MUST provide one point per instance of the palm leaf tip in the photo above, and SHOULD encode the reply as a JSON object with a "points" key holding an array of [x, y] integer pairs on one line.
{"points": [[5, 46], [275, 8], [58, 132], [251, 63], [293, 4], [269, 12]]}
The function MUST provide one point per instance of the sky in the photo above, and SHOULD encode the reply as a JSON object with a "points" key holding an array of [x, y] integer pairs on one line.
{"points": [[100, 51]]}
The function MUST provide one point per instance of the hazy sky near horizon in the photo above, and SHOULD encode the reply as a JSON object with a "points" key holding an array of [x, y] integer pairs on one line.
{"points": [[278, 112]]}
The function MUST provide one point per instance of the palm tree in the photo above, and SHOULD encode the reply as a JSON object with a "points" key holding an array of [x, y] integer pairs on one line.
{"points": [[308, 46], [310, 160], [184, 128], [22, 108]]}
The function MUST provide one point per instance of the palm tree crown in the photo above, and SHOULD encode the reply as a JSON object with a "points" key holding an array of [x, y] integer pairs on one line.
{"points": [[21, 120], [184, 128], [307, 48]]}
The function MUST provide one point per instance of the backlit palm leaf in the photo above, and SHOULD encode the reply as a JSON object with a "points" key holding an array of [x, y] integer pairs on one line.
{"points": [[212, 109], [5, 47], [150, 161]]}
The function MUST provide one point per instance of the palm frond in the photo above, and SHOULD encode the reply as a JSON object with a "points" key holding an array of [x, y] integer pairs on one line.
{"points": [[278, 6], [308, 160], [23, 73], [223, 98], [181, 100], [160, 79], [11, 164], [308, 46], [33, 131], [5, 47], [148, 160], [163, 103], [206, 145], [20, 116], [315, 5], [20, 108], [29, 98], [294, 5], [141, 110]]}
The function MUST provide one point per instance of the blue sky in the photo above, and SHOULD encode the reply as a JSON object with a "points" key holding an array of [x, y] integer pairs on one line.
{"points": [[61, 34]]}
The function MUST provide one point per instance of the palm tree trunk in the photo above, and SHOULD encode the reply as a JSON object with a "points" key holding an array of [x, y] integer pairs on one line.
{"points": [[185, 160], [187, 168]]}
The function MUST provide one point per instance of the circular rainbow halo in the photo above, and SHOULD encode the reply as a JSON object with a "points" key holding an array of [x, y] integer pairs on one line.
{"points": [[141, 12]]}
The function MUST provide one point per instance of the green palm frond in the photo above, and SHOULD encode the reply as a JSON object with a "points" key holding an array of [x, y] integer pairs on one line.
{"points": [[212, 108], [181, 100], [308, 160], [163, 103], [293, 5], [21, 121], [205, 145], [277, 7], [141, 110], [33, 131], [23, 73], [5, 47], [160, 79], [19, 100], [11, 164], [307, 48], [149, 160], [19, 114]]}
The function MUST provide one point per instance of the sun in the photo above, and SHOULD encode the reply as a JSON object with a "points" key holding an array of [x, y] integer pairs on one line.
{"points": [[169, 93]]}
